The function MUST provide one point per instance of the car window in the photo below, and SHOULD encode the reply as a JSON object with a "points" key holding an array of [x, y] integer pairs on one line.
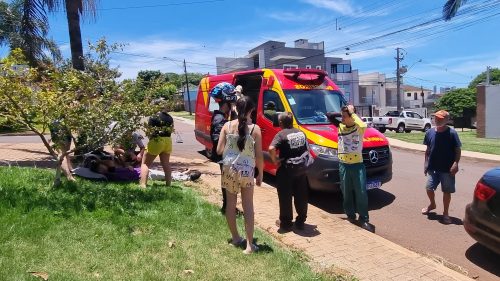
{"points": [[310, 106], [417, 115], [271, 104], [409, 114], [213, 105]]}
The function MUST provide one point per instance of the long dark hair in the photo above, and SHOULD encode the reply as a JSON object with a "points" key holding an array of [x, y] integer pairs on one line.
{"points": [[244, 105]]}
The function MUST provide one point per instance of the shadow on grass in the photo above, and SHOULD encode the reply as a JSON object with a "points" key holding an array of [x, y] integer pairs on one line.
{"points": [[31, 189]]}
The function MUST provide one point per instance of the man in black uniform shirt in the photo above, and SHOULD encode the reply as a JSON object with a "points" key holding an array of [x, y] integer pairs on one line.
{"points": [[294, 158], [219, 118]]}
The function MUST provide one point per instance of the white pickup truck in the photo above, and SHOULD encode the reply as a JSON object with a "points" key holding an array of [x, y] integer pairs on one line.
{"points": [[406, 121]]}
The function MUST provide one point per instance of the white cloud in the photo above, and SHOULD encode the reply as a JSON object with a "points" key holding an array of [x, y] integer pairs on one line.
{"points": [[167, 55], [343, 7]]}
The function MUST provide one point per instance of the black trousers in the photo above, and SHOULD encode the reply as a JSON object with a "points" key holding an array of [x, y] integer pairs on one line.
{"points": [[291, 184]]}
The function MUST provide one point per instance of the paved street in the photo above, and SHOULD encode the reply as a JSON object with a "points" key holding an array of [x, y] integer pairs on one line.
{"points": [[394, 209]]}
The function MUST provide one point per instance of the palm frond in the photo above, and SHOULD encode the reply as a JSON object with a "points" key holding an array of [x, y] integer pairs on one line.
{"points": [[451, 7]]}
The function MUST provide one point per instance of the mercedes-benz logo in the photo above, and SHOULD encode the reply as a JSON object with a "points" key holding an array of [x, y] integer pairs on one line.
{"points": [[373, 155]]}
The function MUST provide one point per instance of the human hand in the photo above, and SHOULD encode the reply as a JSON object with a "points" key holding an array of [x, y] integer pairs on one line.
{"points": [[454, 169], [258, 180], [350, 107]]}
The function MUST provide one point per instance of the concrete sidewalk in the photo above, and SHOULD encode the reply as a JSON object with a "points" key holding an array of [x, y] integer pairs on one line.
{"points": [[333, 243]]}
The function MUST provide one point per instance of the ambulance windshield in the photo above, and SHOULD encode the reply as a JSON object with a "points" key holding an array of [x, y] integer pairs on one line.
{"points": [[310, 106]]}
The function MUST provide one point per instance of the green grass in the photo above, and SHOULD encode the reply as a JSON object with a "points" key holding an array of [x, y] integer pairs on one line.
{"points": [[468, 138], [183, 114], [99, 231]]}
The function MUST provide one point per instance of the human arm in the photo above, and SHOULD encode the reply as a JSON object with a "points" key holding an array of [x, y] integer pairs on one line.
{"points": [[259, 157], [275, 143], [222, 140], [454, 167], [458, 153], [138, 141], [426, 162], [273, 155], [356, 118]]}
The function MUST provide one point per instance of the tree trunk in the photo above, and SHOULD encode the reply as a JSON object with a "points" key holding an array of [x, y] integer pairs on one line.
{"points": [[75, 35]]}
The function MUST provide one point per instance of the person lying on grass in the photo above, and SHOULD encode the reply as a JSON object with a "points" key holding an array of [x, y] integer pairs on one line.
{"points": [[129, 173]]}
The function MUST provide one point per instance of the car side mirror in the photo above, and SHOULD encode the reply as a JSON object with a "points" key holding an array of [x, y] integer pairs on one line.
{"points": [[276, 122]]}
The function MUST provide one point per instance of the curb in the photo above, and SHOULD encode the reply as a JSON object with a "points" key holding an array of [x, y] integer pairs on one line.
{"points": [[470, 155]]}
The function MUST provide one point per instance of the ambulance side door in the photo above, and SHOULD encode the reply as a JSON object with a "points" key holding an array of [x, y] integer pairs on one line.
{"points": [[271, 104]]}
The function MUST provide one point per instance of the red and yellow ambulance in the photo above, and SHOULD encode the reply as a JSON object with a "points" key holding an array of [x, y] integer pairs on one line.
{"points": [[308, 94]]}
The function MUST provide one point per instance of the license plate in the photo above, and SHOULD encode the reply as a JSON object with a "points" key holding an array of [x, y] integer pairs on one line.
{"points": [[373, 185]]}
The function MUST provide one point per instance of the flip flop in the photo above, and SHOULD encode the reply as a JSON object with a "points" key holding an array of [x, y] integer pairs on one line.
{"points": [[255, 248], [446, 220], [239, 243], [426, 210]]}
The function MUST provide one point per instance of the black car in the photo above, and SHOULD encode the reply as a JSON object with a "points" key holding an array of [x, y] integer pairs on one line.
{"points": [[482, 216]]}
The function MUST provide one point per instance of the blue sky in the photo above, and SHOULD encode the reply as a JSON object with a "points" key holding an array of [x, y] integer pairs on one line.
{"points": [[159, 34]]}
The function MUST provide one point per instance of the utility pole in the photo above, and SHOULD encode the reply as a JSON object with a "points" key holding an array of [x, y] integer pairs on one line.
{"points": [[187, 88], [398, 81], [422, 95], [488, 68]]}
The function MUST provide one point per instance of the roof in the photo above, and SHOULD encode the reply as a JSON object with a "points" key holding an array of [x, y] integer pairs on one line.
{"points": [[409, 88]]}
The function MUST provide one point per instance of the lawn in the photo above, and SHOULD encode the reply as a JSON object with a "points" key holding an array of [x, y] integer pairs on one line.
{"points": [[110, 231], [183, 114], [468, 138]]}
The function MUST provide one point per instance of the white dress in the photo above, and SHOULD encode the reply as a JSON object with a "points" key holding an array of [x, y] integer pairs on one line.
{"points": [[238, 167]]}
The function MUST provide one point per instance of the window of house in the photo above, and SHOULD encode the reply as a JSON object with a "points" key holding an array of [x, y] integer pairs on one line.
{"points": [[308, 66], [318, 67], [415, 96], [271, 104], [340, 68], [290, 66], [408, 95]]}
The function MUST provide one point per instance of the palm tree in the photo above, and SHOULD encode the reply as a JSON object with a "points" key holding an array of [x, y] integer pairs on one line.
{"points": [[451, 7], [74, 9], [20, 29]]}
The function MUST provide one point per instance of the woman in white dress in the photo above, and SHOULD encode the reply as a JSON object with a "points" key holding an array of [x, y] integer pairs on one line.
{"points": [[240, 144]]}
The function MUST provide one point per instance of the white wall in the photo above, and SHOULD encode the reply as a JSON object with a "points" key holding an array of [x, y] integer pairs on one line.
{"points": [[492, 100]]}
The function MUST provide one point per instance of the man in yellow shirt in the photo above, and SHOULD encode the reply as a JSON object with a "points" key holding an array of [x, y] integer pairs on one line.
{"points": [[351, 168]]}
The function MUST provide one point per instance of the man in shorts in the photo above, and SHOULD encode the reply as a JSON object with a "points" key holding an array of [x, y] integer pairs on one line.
{"points": [[441, 162]]}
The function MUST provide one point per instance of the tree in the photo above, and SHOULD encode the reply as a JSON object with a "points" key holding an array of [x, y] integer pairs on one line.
{"points": [[451, 7], [456, 101], [74, 9], [20, 29], [89, 101], [481, 78]]}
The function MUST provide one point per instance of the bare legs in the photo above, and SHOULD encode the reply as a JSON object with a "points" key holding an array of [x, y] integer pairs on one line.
{"points": [[146, 163], [165, 163], [247, 202], [66, 165], [231, 217], [446, 203], [432, 205], [431, 195]]}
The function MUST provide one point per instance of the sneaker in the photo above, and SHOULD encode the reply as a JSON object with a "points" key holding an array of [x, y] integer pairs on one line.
{"points": [[284, 227], [299, 225], [367, 226]]}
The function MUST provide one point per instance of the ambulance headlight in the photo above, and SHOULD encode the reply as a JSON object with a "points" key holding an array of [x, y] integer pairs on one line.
{"points": [[324, 151]]}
